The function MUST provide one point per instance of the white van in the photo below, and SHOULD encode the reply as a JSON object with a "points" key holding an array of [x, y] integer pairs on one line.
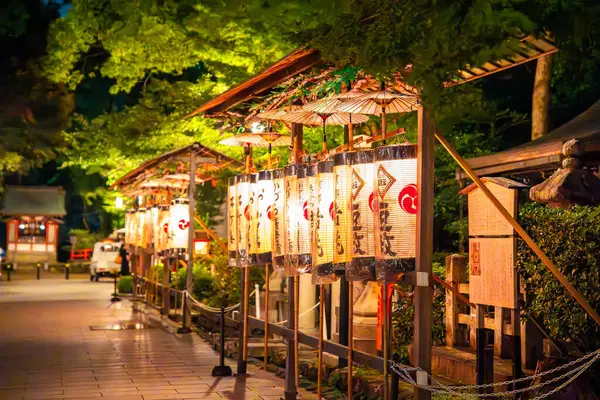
{"points": [[103, 260]]}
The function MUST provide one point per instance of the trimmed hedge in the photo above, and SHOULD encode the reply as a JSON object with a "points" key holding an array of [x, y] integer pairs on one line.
{"points": [[125, 284], [571, 239]]}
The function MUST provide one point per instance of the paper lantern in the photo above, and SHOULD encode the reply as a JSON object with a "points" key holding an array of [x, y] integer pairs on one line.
{"points": [[362, 265], [395, 210], [179, 224], [139, 228], [164, 219], [253, 220], [290, 216], [342, 171], [278, 246], [129, 226], [324, 226], [306, 186], [231, 222], [264, 206], [154, 227], [242, 191], [147, 229]]}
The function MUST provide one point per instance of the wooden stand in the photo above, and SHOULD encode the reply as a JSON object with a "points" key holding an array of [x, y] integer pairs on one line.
{"points": [[320, 350]]}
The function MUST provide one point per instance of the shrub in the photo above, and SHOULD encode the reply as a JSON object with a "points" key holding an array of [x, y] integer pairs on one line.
{"points": [[202, 281], [571, 239], [83, 239], [125, 284]]}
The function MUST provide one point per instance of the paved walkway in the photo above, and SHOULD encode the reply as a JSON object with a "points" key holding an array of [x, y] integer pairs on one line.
{"points": [[49, 351]]}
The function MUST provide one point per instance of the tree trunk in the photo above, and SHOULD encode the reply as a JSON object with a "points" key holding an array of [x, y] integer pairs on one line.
{"points": [[541, 97]]}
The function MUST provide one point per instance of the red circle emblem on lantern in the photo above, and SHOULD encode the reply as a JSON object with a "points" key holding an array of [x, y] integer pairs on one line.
{"points": [[407, 198], [247, 212], [270, 213], [305, 210], [183, 224], [166, 227], [332, 210], [371, 198]]}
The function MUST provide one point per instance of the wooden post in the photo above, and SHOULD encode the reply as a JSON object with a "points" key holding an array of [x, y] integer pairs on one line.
{"points": [[266, 328], [455, 264], [320, 350], [241, 365], [166, 295], [480, 349], [350, 334], [424, 251], [498, 330], [290, 362]]}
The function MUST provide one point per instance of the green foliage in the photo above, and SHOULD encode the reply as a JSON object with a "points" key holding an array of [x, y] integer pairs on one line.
{"points": [[125, 284], [84, 239], [571, 239], [202, 280]]}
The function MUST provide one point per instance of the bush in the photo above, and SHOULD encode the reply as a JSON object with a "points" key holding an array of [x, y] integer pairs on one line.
{"points": [[84, 239], [125, 284], [571, 239]]}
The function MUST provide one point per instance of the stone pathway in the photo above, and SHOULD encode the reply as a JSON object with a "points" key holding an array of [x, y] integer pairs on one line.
{"points": [[48, 351]]}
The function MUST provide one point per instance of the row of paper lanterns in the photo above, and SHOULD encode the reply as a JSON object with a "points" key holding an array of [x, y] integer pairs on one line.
{"points": [[161, 227], [355, 213]]}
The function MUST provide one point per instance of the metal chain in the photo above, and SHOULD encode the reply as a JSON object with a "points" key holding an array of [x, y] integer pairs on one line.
{"points": [[212, 309], [404, 372]]}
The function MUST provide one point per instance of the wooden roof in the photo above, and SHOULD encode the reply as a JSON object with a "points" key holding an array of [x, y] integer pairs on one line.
{"points": [[544, 153], [500, 181], [302, 59], [292, 64], [207, 160], [34, 201]]}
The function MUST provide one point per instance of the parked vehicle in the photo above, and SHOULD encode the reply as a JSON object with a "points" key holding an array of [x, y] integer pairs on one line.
{"points": [[103, 260]]}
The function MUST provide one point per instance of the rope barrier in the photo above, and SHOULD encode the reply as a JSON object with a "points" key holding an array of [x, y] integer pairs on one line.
{"points": [[212, 309], [470, 391], [299, 315]]}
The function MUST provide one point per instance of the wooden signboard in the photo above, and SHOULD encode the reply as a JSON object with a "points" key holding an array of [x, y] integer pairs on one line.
{"points": [[491, 271], [484, 218]]}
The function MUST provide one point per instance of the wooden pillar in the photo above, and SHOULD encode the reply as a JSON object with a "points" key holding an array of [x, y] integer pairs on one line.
{"points": [[455, 265], [480, 344], [166, 296], [498, 330], [290, 361], [424, 250], [189, 279]]}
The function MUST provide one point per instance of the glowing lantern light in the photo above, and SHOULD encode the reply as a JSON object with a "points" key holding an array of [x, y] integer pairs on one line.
{"points": [[119, 202], [306, 189], [147, 230], [231, 222], [362, 265], [264, 206], [277, 216], [342, 171], [139, 228], [164, 219], [324, 225], [179, 224], [201, 247], [396, 210], [242, 191], [252, 221], [129, 227], [290, 216], [154, 227]]}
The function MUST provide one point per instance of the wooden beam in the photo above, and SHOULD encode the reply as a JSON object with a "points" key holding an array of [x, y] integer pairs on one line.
{"points": [[211, 233]]}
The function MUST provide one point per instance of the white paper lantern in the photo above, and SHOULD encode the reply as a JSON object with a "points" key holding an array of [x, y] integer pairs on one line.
{"points": [[362, 265], [342, 171], [290, 219], [324, 226], [232, 221], [306, 186], [253, 221], [129, 227], [264, 207], [147, 229], [278, 248], [179, 225], [396, 210], [164, 220], [242, 191], [139, 227], [154, 227]]}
